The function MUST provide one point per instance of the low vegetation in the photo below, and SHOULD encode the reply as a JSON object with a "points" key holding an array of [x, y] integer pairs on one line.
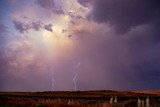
{"points": [[69, 98]]}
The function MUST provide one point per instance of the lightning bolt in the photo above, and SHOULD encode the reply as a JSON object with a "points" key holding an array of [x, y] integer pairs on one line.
{"points": [[52, 77], [75, 76], [53, 80]]}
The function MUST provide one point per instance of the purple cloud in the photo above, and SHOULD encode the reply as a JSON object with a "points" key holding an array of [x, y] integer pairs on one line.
{"points": [[51, 5], [58, 10], [48, 27], [124, 15], [36, 25], [119, 47], [21, 27], [48, 4], [85, 3]]}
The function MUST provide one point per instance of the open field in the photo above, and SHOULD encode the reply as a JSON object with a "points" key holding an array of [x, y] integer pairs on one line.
{"points": [[101, 98]]}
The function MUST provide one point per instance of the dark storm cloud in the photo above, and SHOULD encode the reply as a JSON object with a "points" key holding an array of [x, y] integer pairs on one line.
{"points": [[48, 27], [21, 27], [85, 2], [25, 27], [74, 16], [51, 5], [125, 14], [108, 61], [36, 25], [58, 10], [46, 3], [129, 61]]}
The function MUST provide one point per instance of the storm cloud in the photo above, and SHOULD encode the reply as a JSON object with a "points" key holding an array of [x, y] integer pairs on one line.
{"points": [[48, 27], [124, 15], [85, 3], [51, 5], [116, 42], [133, 37], [46, 3], [21, 27], [36, 25], [134, 54]]}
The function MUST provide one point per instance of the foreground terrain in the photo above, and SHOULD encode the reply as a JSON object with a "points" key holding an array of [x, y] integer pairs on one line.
{"points": [[101, 98]]}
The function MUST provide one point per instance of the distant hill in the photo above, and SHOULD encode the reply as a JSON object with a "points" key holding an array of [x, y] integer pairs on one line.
{"points": [[84, 94], [157, 92]]}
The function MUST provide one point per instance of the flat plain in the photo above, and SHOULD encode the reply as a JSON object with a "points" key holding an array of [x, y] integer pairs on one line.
{"points": [[96, 98]]}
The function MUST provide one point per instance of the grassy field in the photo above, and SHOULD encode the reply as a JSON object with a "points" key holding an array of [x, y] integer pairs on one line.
{"points": [[70, 98]]}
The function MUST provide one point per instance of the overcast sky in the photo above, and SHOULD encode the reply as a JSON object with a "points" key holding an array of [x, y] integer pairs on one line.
{"points": [[48, 45]]}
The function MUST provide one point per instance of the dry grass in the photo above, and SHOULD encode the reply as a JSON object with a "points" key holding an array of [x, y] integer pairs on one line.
{"points": [[66, 98]]}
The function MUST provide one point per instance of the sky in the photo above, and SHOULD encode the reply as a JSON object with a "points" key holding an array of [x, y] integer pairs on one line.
{"points": [[63, 45]]}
